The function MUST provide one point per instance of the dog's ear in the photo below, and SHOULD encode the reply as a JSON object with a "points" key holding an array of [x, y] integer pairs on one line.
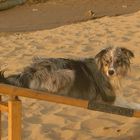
{"points": [[127, 52], [101, 53], [99, 56]]}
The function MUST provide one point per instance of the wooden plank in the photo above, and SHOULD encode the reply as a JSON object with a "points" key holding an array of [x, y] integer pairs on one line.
{"points": [[3, 107], [0, 121], [14, 120], [111, 109], [136, 114], [16, 91]]}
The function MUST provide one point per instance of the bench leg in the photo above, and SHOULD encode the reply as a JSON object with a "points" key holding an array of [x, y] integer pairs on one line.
{"points": [[14, 119]]}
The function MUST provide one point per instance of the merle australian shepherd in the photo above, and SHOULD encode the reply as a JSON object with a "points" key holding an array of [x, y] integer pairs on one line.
{"points": [[90, 78]]}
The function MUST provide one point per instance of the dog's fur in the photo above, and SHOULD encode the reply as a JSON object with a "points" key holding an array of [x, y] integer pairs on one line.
{"points": [[114, 63], [89, 78]]}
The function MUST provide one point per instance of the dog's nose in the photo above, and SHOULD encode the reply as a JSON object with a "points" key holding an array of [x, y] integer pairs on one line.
{"points": [[111, 72]]}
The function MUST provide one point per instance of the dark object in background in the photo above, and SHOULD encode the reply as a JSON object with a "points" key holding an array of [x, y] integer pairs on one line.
{"points": [[6, 4]]}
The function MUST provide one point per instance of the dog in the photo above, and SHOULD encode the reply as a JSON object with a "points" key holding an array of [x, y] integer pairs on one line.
{"points": [[89, 78], [114, 63]]}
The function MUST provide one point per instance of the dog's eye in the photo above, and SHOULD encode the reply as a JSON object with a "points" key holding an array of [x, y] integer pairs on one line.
{"points": [[106, 62], [119, 62]]}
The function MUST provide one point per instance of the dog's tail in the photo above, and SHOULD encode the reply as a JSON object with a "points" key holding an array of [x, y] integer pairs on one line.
{"points": [[3, 79], [11, 80]]}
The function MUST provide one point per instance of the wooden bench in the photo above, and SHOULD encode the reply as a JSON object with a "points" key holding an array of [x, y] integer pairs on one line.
{"points": [[14, 106]]}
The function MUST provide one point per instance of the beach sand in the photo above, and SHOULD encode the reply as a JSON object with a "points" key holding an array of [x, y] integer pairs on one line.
{"points": [[51, 121], [55, 13]]}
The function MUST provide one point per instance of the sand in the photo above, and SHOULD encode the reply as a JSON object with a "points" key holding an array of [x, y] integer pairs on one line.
{"points": [[51, 121], [55, 13]]}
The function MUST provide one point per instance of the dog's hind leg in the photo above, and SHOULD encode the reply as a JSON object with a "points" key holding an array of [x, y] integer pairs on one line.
{"points": [[122, 102]]}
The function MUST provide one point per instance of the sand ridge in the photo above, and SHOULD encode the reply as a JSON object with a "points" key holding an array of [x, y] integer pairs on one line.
{"points": [[50, 121]]}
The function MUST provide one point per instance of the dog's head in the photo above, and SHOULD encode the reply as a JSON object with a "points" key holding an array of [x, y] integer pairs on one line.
{"points": [[114, 61]]}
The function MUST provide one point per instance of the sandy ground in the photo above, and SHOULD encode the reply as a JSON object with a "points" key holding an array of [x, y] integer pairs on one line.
{"points": [[55, 13], [49, 121]]}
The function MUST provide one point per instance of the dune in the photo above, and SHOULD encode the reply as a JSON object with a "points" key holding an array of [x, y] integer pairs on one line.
{"points": [[51, 121]]}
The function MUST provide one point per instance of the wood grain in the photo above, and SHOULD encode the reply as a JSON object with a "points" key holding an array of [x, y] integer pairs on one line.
{"points": [[14, 120], [16, 91], [0, 121]]}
